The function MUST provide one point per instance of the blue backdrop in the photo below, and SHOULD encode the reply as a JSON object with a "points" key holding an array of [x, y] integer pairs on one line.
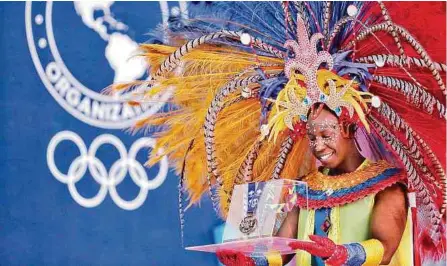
{"points": [[72, 189]]}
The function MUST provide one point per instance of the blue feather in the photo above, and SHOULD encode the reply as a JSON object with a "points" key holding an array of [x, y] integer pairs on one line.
{"points": [[269, 90], [358, 71]]}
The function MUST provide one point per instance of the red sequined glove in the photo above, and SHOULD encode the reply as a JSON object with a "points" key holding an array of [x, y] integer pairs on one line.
{"points": [[324, 248], [232, 258]]}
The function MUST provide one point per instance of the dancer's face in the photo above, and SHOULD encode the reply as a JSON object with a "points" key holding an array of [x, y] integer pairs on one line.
{"points": [[326, 139]]}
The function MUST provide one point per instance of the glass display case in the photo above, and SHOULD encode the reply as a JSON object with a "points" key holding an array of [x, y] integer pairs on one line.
{"points": [[256, 213]]}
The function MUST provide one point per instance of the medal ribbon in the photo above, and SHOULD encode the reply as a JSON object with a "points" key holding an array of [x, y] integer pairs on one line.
{"points": [[254, 193]]}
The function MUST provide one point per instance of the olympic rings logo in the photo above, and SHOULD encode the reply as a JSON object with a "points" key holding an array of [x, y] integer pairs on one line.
{"points": [[107, 180]]}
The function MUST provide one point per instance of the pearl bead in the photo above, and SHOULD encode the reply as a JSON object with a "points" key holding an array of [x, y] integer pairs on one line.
{"points": [[376, 102], [245, 38], [379, 62], [352, 10], [265, 130]]}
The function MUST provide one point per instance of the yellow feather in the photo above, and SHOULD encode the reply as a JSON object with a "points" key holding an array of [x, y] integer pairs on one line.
{"points": [[300, 160]]}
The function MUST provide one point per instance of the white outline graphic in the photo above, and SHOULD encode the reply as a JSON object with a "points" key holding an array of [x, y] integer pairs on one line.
{"points": [[72, 98], [108, 181]]}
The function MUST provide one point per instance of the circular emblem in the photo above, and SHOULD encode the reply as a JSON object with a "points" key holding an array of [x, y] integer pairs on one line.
{"points": [[107, 179], [248, 224], [80, 48]]}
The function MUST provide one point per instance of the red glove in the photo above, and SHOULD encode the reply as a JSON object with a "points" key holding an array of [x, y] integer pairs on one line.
{"points": [[324, 248], [233, 258]]}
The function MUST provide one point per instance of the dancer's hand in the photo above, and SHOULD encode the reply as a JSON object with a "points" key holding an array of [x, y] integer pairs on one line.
{"points": [[324, 248], [234, 258]]}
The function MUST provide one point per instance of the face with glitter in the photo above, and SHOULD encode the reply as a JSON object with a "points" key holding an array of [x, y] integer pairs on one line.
{"points": [[326, 139]]}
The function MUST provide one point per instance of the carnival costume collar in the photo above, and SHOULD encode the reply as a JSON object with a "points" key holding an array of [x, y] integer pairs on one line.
{"points": [[330, 191]]}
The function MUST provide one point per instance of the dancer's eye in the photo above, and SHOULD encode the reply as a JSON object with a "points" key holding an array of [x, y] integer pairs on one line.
{"points": [[327, 137], [311, 137]]}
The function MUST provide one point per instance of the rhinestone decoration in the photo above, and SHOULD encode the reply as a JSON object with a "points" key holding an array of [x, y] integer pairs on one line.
{"points": [[307, 60], [332, 133], [335, 99], [295, 106]]}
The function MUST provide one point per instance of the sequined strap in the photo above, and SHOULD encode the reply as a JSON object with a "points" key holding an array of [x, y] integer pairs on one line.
{"points": [[366, 253]]}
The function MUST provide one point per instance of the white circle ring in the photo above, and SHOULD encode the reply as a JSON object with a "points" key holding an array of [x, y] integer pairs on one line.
{"points": [[107, 180]]}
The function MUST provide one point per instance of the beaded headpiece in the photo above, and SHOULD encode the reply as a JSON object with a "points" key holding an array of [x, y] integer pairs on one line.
{"points": [[302, 64]]}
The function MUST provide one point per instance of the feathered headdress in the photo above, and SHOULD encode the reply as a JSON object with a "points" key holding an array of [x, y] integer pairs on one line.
{"points": [[244, 78]]}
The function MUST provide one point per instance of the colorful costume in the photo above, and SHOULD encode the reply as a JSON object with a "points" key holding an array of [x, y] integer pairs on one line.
{"points": [[350, 212], [244, 79]]}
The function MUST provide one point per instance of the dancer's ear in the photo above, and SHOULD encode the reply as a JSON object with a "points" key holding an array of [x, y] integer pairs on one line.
{"points": [[347, 129]]}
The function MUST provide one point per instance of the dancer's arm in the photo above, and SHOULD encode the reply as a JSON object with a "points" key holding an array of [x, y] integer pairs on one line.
{"points": [[389, 219]]}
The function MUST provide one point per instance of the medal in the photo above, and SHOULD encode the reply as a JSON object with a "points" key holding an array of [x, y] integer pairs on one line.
{"points": [[248, 224]]}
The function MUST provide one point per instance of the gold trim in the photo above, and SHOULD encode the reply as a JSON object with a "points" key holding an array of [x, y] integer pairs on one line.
{"points": [[320, 181]]}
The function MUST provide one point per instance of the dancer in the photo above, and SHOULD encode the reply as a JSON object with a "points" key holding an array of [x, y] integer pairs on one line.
{"points": [[265, 90]]}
